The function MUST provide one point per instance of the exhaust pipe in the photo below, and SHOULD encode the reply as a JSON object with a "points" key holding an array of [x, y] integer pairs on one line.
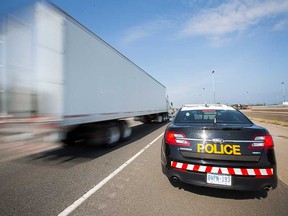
{"points": [[267, 188], [175, 179]]}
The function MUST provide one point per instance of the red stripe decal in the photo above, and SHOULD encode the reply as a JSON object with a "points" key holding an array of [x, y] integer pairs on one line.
{"points": [[269, 171], [112, 113], [196, 168], [77, 116], [257, 172], [184, 166], [174, 164], [244, 171], [231, 171], [208, 169]]}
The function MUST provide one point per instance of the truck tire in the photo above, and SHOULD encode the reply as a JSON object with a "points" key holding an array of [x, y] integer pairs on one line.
{"points": [[112, 135], [166, 117], [74, 137], [125, 131], [146, 120], [160, 119]]}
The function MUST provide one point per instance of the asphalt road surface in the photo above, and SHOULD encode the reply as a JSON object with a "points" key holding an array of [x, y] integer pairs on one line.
{"points": [[125, 180]]}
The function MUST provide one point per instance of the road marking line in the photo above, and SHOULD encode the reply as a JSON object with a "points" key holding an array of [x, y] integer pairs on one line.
{"points": [[78, 202], [136, 124]]}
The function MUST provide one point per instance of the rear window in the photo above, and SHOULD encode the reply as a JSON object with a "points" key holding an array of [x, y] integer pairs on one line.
{"points": [[211, 116]]}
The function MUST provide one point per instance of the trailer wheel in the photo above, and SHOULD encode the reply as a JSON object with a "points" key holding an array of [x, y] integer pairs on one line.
{"points": [[159, 118], [146, 120], [165, 118], [74, 137], [125, 131], [112, 136]]}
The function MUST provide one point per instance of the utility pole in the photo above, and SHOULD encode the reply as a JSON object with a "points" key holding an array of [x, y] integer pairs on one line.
{"points": [[283, 91], [214, 100], [203, 96], [247, 98]]}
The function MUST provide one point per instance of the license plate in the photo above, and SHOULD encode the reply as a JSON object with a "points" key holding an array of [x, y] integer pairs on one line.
{"points": [[219, 179]]}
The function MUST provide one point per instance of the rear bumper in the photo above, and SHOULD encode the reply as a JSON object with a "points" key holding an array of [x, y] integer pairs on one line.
{"points": [[247, 183]]}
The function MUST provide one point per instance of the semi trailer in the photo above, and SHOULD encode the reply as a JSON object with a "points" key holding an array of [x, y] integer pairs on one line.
{"points": [[53, 66]]}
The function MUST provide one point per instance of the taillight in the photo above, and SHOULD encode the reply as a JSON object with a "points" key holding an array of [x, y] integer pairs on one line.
{"points": [[263, 142], [176, 138]]}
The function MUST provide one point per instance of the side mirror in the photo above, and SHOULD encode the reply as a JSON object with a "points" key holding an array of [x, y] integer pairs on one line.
{"points": [[171, 119]]}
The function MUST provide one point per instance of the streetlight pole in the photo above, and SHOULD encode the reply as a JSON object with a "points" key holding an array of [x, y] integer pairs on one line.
{"points": [[247, 98], [283, 91], [214, 100], [203, 96]]}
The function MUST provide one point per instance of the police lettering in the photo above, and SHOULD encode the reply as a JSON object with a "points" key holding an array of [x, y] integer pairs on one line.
{"points": [[219, 149]]}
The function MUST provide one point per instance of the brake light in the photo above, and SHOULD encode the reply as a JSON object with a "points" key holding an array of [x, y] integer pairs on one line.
{"points": [[263, 142], [268, 142], [176, 138]]}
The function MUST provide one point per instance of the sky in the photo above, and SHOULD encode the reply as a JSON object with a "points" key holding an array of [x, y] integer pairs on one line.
{"points": [[180, 43]]}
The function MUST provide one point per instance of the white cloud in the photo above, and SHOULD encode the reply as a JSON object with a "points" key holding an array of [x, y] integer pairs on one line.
{"points": [[217, 23], [280, 26], [231, 17], [135, 34], [145, 30]]}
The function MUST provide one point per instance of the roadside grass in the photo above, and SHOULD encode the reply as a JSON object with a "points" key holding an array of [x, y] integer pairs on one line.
{"points": [[285, 124]]}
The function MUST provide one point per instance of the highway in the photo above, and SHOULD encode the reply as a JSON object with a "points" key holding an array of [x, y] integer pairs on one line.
{"points": [[125, 180]]}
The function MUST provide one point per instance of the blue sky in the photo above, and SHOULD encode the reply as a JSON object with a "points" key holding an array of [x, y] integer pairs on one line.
{"points": [[180, 43]]}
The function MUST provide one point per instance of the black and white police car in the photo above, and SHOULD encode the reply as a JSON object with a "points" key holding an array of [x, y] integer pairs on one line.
{"points": [[218, 146]]}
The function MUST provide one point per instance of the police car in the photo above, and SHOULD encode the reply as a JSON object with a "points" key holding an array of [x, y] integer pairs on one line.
{"points": [[218, 146]]}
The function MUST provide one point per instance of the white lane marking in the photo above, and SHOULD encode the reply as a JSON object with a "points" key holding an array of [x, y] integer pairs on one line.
{"points": [[136, 124], [78, 202]]}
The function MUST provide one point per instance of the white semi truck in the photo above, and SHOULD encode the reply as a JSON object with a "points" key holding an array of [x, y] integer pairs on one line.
{"points": [[53, 66]]}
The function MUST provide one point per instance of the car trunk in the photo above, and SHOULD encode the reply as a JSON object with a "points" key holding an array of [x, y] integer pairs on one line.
{"points": [[222, 142]]}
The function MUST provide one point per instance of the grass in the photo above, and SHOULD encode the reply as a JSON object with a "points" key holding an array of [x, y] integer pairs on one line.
{"points": [[274, 122]]}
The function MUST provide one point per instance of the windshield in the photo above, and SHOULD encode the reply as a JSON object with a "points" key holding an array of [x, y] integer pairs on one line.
{"points": [[211, 116]]}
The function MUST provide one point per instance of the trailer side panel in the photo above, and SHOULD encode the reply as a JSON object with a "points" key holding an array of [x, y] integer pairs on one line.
{"points": [[102, 83]]}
